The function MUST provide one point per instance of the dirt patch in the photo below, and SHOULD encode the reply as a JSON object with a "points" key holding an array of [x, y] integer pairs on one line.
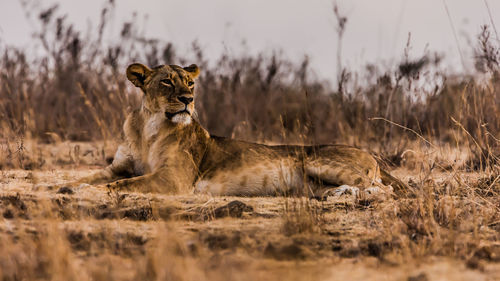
{"points": [[226, 236]]}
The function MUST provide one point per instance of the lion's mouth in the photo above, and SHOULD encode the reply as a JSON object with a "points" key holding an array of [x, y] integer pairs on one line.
{"points": [[170, 115]]}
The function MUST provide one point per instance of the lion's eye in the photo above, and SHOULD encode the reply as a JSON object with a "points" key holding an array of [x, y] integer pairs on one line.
{"points": [[190, 83], [166, 82]]}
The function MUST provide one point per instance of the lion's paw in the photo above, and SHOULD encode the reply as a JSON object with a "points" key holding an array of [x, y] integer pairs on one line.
{"points": [[346, 190]]}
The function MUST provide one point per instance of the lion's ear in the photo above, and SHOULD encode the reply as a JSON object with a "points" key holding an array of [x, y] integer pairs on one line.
{"points": [[137, 74], [193, 69]]}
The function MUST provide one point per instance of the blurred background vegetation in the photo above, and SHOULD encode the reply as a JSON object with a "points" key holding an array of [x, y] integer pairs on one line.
{"points": [[74, 88]]}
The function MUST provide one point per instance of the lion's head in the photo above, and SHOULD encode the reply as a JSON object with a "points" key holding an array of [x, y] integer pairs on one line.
{"points": [[168, 89]]}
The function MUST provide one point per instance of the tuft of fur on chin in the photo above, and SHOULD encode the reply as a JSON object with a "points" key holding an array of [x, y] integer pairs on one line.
{"points": [[182, 119]]}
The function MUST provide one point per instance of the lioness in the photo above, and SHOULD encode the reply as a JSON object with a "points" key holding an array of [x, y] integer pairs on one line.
{"points": [[167, 150]]}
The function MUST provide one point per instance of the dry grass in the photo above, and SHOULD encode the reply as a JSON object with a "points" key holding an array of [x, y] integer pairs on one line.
{"points": [[449, 228], [61, 113]]}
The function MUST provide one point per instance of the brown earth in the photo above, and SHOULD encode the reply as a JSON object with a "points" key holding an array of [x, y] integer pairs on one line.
{"points": [[449, 229]]}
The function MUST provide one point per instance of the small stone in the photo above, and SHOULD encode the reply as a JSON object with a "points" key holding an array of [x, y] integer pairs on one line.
{"points": [[420, 277], [233, 209], [65, 190]]}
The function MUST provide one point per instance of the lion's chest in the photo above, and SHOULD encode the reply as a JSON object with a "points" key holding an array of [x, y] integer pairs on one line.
{"points": [[152, 126], [149, 146]]}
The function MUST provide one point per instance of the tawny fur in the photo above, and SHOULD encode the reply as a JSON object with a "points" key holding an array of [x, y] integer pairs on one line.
{"points": [[166, 150]]}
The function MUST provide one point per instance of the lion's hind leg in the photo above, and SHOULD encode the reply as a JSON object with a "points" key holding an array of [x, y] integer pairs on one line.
{"points": [[332, 178]]}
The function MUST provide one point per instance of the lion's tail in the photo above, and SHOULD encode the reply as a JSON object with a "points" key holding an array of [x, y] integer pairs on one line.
{"points": [[400, 188]]}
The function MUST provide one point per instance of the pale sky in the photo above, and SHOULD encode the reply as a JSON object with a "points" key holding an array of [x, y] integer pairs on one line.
{"points": [[376, 30]]}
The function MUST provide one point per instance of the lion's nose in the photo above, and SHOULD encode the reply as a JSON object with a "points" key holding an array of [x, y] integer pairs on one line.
{"points": [[185, 100]]}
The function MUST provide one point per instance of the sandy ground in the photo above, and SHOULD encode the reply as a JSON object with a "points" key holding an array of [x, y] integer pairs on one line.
{"points": [[122, 235]]}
